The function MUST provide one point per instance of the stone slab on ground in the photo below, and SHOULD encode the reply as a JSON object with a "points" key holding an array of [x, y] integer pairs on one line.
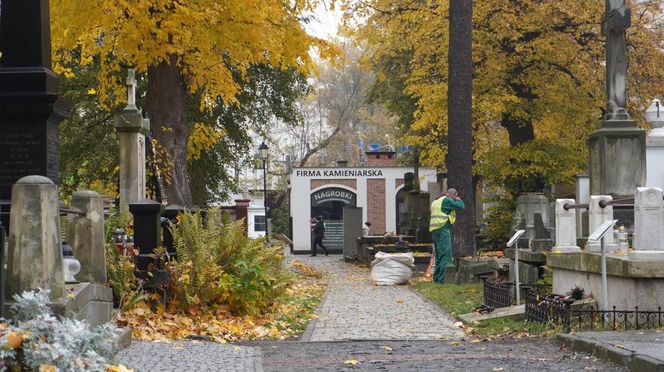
{"points": [[515, 312], [637, 350], [353, 308], [507, 354], [146, 356]]}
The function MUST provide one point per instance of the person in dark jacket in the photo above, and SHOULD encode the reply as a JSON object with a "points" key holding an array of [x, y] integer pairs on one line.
{"points": [[319, 235]]}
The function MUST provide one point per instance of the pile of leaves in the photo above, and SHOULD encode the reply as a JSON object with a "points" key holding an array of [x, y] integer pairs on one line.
{"points": [[37, 340], [286, 318]]}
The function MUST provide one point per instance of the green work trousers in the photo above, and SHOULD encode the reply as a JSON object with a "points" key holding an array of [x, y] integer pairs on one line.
{"points": [[442, 241]]}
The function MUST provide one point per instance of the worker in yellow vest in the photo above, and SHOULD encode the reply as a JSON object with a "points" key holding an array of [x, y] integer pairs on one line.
{"points": [[443, 215]]}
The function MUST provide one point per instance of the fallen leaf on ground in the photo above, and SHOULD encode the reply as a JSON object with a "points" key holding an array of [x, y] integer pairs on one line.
{"points": [[498, 369], [475, 341], [352, 362], [386, 348]]}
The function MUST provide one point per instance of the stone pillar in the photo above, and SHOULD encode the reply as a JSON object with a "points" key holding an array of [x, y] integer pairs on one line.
{"points": [[86, 235], [565, 227], [648, 224], [597, 216], [131, 127], [35, 254], [147, 230], [617, 159], [30, 109]]}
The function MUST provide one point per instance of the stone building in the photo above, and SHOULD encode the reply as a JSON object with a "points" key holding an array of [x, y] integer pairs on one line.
{"points": [[326, 191]]}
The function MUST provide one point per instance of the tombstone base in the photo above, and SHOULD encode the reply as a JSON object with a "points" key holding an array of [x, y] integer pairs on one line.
{"points": [[630, 282], [90, 302], [567, 249], [597, 247], [646, 255], [617, 158]]}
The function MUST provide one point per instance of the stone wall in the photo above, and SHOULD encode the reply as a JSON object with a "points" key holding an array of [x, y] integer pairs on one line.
{"points": [[347, 182], [376, 204]]}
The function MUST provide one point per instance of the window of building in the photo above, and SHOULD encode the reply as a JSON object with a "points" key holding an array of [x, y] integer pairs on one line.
{"points": [[259, 223]]}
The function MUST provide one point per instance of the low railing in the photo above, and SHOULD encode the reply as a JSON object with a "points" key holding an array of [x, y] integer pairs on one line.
{"points": [[548, 309], [497, 295], [557, 310]]}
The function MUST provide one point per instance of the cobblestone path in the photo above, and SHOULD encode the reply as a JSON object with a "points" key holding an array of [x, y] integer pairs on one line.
{"points": [[193, 356], [355, 309]]}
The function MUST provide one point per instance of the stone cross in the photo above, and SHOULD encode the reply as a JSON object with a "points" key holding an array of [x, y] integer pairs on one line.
{"points": [[131, 88], [617, 19]]}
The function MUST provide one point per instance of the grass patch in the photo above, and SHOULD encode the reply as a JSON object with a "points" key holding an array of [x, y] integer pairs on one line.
{"points": [[463, 298]]}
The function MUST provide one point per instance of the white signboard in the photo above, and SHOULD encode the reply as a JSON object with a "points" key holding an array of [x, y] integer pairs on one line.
{"points": [[514, 237], [602, 230]]}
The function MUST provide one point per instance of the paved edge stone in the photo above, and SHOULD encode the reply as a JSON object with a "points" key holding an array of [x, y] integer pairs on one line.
{"points": [[124, 339], [308, 333], [627, 358], [646, 364]]}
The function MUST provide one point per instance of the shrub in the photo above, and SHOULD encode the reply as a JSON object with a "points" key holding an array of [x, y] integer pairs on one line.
{"points": [[218, 265], [39, 339]]}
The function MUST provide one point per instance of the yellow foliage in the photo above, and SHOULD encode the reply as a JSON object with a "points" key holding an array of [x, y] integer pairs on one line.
{"points": [[538, 63], [202, 138], [285, 318], [208, 37]]}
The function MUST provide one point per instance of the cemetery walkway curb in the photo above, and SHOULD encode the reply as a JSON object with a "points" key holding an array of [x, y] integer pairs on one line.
{"points": [[601, 347]]}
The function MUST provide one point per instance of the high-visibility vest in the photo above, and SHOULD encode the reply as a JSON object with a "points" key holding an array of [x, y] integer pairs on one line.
{"points": [[438, 217]]}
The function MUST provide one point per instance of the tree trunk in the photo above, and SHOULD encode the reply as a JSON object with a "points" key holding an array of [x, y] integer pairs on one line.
{"points": [[518, 131], [460, 134], [167, 106]]}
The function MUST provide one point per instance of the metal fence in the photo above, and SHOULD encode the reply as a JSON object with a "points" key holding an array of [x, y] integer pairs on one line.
{"points": [[497, 295], [557, 310]]}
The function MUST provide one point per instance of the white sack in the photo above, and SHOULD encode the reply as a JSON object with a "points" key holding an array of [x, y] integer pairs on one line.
{"points": [[392, 269]]}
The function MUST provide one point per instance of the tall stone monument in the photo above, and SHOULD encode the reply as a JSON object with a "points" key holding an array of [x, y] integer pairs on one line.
{"points": [[617, 148], [132, 128], [30, 109]]}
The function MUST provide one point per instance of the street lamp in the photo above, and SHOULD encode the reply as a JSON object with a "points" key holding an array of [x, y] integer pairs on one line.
{"points": [[655, 117], [263, 151]]}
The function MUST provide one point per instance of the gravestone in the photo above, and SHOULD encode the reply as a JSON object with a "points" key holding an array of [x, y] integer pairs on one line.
{"points": [[617, 149], [648, 224], [132, 128], [542, 239], [35, 255], [596, 217], [527, 205], [565, 227], [30, 109], [352, 231]]}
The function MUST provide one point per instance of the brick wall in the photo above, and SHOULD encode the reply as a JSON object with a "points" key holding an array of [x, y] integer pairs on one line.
{"points": [[348, 183], [381, 159], [399, 182], [376, 205]]}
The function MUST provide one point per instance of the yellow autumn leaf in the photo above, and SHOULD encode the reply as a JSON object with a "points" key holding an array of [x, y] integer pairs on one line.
{"points": [[92, 91], [351, 362], [47, 368]]}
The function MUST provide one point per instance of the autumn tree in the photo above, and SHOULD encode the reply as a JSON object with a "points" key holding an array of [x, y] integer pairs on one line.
{"points": [[187, 49], [538, 79]]}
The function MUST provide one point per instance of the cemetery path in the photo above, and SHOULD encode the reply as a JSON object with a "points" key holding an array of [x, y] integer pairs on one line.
{"points": [[353, 308]]}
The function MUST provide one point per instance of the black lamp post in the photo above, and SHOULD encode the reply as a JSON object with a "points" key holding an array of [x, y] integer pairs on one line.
{"points": [[263, 153]]}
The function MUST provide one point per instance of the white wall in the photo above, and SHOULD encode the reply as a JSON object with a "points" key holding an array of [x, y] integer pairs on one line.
{"points": [[300, 184]]}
